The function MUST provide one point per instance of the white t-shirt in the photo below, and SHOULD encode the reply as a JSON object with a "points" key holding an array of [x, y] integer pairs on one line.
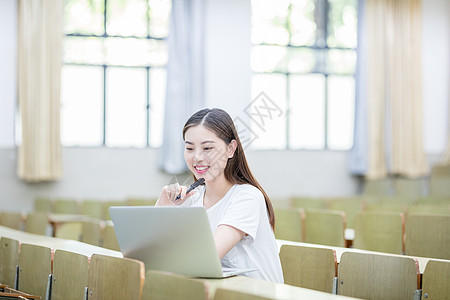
{"points": [[244, 208]]}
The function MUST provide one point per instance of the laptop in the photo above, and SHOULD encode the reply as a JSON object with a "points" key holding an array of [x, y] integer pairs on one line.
{"points": [[172, 239]]}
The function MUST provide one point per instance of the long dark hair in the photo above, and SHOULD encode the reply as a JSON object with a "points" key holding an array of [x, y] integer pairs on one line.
{"points": [[237, 170]]}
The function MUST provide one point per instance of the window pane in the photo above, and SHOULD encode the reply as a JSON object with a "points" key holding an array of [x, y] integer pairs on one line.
{"points": [[268, 58], [303, 60], [269, 22], [83, 16], [341, 109], [82, 106], [135, 52], [271, 134], [341, 61], [159, 17], [127, 18], [342, 23], [126, 104], [302, 24], [83, 50], [307, 112], [157, 103]]}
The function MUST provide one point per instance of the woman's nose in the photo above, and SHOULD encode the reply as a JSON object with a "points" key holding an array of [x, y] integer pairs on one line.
{"points": [[198, 156]]}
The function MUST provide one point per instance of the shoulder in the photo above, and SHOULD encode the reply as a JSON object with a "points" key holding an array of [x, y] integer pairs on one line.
{"points": [[247, 191]]}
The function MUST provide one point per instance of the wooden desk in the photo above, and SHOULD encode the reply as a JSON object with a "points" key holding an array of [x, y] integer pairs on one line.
{"points": [[340, 250], [264, 288], [56, 243]]}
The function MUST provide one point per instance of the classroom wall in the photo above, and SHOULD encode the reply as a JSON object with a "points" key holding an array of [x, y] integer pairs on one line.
{"points": [[104, 173]]}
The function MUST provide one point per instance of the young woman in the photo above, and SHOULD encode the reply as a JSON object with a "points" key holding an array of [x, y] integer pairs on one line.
{"points": [[239, 211]]}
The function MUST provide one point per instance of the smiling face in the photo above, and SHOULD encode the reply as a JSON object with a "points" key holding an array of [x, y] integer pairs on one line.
{"points": [[206, 154]]}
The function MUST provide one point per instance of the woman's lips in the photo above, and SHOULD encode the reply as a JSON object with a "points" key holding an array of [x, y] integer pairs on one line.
{"points": [[201, 169]]}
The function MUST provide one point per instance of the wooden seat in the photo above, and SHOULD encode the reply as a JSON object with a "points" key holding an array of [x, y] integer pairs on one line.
{"points": [[37, 223], [65, 206], [289, 224], [11, 219], [92, 208], [379, 231], [428, 236], [91, 232], [35, 266], [438, 208], [70, 275], [373, 276], [350, 206], [307, 203], [9, 259], [325, 227], [43, 205], [308, 267], [109, 239], [435, 280], [162, 285], [115, 278]]}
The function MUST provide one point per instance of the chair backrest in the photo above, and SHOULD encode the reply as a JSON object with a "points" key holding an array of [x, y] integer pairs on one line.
{"points": [[115, 278], [9, 259], [35, 266], [11, 219], [229, 294], [325, 227], [91, 232], [379, 231], [289, 224], [106, 205], [440, 171], [109, 239], [69, 230], [92, 208], [378, 187], [439, 186], [309, 267], [161, 285], [43, 205], [413, 188], [37, 223], [70, 275], [350, 206], [65, 206], [437, 208], [307, 203], [141, 202], [436, 279], [428, 236], [377, 276]]}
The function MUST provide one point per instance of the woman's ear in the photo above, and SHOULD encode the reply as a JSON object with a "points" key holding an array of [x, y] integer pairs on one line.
{"points": [[232, 148]]}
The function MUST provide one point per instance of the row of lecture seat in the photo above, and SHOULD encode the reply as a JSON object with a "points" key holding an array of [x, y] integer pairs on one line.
{"points": [[421, 234], [365, 275], [76, 227], [53, 273], [436, 184], [61, 274]]}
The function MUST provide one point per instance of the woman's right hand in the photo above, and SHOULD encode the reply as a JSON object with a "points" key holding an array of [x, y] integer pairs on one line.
{"points": [[170, 192]]}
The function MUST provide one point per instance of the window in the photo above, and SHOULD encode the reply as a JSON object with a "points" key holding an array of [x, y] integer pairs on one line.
{"points": [[113, 77], [304, 58]]}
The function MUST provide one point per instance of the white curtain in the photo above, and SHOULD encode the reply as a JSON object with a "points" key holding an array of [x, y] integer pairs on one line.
{"points": [[185, 78], [39, 69], [388, 133]]}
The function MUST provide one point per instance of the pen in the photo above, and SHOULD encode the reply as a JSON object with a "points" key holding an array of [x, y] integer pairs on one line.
{"points": [[193, 186]]}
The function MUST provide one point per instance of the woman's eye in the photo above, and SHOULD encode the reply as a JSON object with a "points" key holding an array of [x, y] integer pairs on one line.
{"points": [[189, 149], [208, 148]]}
